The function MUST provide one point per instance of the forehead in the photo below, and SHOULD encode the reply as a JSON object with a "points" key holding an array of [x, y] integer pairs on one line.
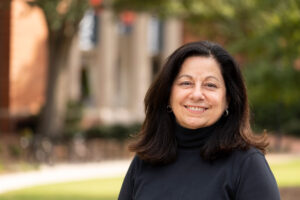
{"points": [[200, 66]]}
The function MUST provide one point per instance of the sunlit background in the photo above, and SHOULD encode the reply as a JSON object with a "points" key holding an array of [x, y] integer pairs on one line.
{"points": [[74, 73]]}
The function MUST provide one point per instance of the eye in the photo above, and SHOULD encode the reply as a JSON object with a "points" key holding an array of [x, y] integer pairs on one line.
{"points": [[185, 83], [211, 85]]}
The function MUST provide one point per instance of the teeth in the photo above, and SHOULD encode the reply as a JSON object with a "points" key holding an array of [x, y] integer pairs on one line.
{"points": [[195, 108]]}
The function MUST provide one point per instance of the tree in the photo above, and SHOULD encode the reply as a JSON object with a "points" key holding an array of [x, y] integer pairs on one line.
{"points": [[63, 17]]}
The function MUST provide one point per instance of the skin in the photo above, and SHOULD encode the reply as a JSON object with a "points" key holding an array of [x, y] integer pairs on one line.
{"points": [[198, 95]]}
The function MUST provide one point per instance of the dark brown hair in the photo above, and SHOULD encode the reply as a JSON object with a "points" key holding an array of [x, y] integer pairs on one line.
{"points": [[156, 142]]}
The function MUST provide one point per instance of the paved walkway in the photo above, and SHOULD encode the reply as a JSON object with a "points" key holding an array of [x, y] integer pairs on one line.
{"points": [[62, 173]]}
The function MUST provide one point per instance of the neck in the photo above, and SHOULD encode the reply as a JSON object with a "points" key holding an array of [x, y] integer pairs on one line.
{"points": [[193, 138]]}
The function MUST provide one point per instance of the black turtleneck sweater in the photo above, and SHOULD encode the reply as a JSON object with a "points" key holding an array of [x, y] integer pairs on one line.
{"points": [[242, 175]]}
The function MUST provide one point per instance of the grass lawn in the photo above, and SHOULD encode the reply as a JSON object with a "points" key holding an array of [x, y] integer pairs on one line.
{"points": [[96, 189], [286, 173]]}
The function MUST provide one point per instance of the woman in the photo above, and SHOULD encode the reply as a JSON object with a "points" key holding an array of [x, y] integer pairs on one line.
{"points": [[196, 141]]}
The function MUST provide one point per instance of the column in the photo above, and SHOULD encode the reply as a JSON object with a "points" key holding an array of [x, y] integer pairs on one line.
{"points": [[103, 69], [140, 69], [172, 36], [74, 68]]}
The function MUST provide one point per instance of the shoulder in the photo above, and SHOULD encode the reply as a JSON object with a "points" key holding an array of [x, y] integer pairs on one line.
{"points": [[245, 153], [247, 162], [136, 164], [253, 177], [241, 156], [252, 164], [136, 161]]}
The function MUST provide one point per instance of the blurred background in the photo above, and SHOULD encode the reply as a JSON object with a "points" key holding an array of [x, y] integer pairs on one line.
{"points": [[74, 73]]}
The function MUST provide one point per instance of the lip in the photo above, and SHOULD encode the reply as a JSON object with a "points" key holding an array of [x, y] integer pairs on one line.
{"points": [[195, 109]]}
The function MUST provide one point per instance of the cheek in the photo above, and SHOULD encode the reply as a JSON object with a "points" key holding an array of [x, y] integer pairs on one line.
{"points": [[218, 100], [175, 96], [223, 102]]}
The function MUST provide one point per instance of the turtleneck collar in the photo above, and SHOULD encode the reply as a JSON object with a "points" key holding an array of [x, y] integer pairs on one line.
{"points": [[193, 138]]}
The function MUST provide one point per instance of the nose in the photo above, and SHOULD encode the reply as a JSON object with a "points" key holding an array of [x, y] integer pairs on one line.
{"points": [[197, 93]]}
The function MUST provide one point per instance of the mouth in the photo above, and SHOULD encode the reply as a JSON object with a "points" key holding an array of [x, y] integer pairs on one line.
{"points": [[195, 109]]}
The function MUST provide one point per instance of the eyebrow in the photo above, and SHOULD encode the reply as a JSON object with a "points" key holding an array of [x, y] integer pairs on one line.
{"points": [[213, 77], [189, 76], [184, 75]]}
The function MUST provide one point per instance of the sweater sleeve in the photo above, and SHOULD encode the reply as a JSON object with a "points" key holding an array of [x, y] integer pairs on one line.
{"points": [[256, 180], [126, 192]]}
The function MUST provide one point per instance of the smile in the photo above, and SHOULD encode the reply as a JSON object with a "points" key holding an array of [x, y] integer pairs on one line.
{"points": [[195, 109]]}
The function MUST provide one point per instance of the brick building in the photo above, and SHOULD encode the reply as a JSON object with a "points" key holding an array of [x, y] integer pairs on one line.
{"points": [[23, 63]]}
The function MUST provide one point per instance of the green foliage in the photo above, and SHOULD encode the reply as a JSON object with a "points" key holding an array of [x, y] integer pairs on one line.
{"points": [[274, 97], [62, 15], [268, 30], [158, 7]]}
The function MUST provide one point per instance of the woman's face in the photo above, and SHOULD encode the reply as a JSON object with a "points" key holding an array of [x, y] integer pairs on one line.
{"points": [[198, 95]]}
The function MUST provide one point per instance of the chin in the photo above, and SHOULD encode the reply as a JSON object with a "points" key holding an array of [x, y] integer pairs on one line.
{"points": [[194, 126]]}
